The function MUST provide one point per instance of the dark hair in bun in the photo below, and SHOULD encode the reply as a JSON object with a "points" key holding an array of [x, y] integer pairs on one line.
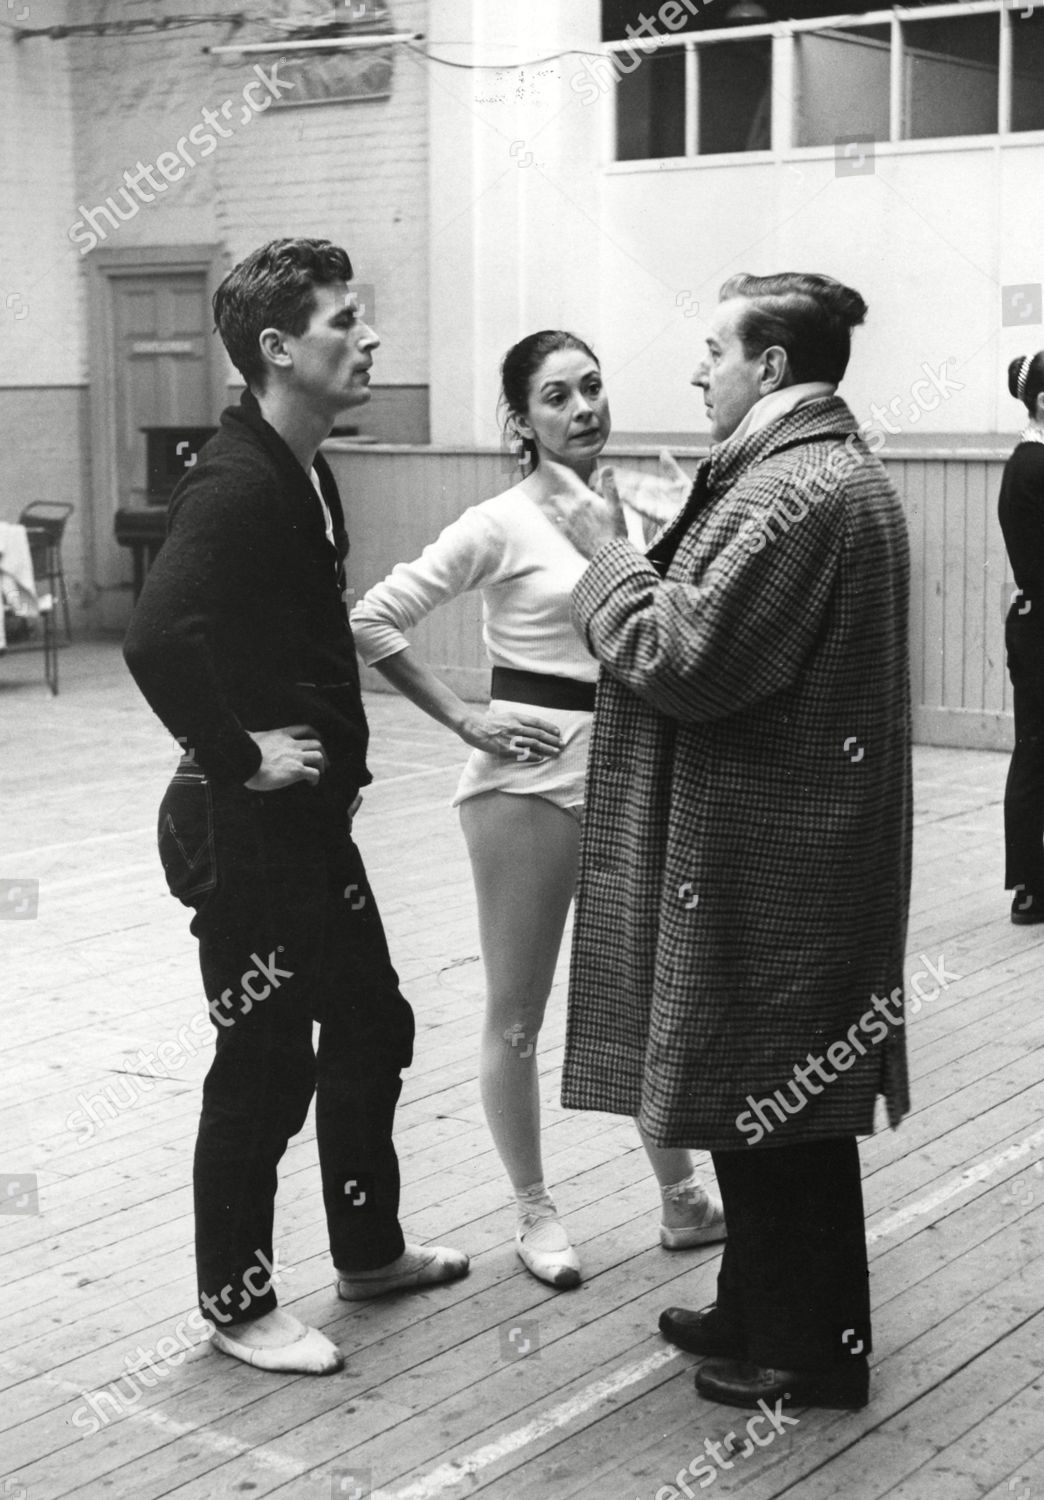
{"points": [[808, 315], [1026, 379], [520, 364]]}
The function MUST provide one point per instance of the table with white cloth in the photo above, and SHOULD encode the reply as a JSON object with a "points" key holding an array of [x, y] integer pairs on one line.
{"points": [[18, 597]]}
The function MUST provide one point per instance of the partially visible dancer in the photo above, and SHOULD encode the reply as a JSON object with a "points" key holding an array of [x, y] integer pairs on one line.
{"points": [[1021, 512], [240, 643], [737, 966], [522, 789]]}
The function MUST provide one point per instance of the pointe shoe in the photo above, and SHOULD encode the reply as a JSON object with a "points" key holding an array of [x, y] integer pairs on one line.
{"points": [[544, 1249], [691, 1216], [417, 1266], [288, 1346]]}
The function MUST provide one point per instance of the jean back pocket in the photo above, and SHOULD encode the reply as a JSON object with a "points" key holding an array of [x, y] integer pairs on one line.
{"points": [[186, 837]]}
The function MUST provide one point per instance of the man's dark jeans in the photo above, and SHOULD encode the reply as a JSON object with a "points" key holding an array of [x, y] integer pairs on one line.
{"points": [[289, 934]]}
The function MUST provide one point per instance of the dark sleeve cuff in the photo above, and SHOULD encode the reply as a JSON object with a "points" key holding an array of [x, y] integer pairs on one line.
{"points": [[228, 755]]}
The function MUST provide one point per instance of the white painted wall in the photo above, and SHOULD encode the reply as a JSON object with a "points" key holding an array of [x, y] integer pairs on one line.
{"points": [[534, 225], [928, 239], [41, 332], [515, 192]]}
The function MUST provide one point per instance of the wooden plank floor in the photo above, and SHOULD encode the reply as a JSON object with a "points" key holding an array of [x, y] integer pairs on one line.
{"points": [[494, 1386]]}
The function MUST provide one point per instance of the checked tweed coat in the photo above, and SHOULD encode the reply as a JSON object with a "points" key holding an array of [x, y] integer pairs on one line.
{"points": [[745, 866]]}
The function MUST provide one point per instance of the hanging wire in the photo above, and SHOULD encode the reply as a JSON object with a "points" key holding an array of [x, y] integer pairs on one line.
{"points": [[147, 24], [290, 26], [500, 67]]}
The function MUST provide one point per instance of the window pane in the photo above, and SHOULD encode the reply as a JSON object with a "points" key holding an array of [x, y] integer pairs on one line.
{"points": [[842, 82], [736, 96], [950, 76], [650, 104], [1027, 82]]}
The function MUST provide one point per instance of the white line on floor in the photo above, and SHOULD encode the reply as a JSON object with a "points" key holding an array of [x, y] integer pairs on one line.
{"points": [[217, 1442], [448, 1475], [380, 781], [94, 838], [959, 1185], [150, 829]]}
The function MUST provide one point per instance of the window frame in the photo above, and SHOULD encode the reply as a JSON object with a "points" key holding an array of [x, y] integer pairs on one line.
{"points": [[784, 101]]}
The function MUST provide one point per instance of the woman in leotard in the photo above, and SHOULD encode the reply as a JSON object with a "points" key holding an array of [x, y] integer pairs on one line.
{"points": [[521, 792]]}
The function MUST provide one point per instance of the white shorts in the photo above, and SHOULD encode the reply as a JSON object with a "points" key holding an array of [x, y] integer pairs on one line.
{"points": [[560, 780]]}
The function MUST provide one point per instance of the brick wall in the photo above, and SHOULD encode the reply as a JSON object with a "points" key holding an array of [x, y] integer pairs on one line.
{"points": [[354, 172]]}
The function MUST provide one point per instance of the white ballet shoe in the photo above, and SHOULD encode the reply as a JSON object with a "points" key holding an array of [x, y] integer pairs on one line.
{"points": [[417, 1266], [542, 1243], [691, 1216], [280, 1342]]}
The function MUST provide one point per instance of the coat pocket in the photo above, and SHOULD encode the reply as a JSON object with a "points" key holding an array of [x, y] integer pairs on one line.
{"points": [[186, 837]]}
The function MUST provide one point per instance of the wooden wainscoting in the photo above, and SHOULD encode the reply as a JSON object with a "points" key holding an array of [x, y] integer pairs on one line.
{"points": [[399, 498]]}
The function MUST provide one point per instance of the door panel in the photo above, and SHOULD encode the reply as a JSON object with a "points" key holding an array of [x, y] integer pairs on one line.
{"points": [[161, 335]]}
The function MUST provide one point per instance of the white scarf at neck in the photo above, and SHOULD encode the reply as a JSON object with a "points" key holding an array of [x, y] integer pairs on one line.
{"points": [[779, 404]]}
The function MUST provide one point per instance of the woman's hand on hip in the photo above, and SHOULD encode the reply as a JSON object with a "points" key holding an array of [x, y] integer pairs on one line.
{"points": [[513, 737]]}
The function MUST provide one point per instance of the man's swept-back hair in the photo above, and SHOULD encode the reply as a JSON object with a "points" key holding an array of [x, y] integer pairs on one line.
{"points": [[808, 315], [274, 287]]}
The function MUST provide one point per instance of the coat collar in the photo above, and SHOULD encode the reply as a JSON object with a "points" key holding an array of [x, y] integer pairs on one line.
{"points": [[816, 421]]}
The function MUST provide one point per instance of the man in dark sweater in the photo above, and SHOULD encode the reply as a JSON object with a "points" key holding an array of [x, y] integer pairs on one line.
{"points": [[241, 644]]}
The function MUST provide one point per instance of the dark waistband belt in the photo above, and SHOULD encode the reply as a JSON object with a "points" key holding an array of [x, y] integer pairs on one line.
{"points": [[542, 690]]}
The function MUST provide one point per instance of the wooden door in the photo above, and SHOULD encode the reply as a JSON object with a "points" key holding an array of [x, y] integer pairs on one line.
{"points": [[162, 331]]}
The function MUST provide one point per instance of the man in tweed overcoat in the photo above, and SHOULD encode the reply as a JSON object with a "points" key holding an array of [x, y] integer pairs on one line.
{"points": [[737, 968]]}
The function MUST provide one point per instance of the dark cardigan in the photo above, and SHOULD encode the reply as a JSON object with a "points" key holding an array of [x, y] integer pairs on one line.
{"points": [[1021, 513], [241, 624]]}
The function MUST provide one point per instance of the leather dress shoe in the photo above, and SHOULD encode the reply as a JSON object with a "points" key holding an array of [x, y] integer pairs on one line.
{"points": [[700, 1332], [735, 1383], [1026, 908]]}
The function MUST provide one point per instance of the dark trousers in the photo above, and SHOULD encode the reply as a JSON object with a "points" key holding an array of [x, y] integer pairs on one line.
{"points": [[793, 1285], [1024, 790], [289, 934]]}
